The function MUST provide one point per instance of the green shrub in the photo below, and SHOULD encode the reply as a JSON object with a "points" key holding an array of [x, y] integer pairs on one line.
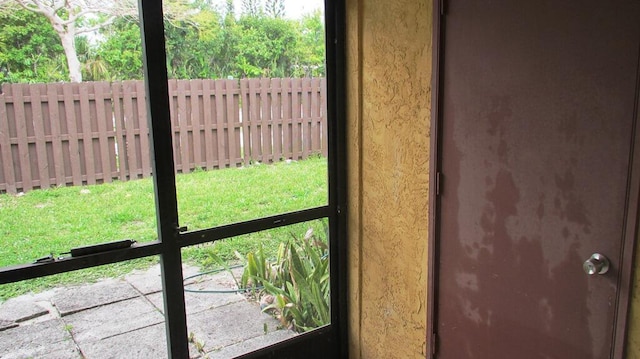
{"points": [[295, 283]]}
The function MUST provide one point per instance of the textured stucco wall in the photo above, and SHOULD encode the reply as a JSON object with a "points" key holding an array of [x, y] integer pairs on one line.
{"points": [[389, 76]]}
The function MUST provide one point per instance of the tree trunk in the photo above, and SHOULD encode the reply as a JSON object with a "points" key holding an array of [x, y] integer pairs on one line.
{"points": [[68, 44]]}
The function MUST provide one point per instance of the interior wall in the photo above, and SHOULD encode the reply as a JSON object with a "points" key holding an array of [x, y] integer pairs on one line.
{"points": [[389, 76]]}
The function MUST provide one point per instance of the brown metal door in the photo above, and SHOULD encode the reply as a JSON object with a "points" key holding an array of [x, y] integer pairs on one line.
{"points": [[538, 111]]}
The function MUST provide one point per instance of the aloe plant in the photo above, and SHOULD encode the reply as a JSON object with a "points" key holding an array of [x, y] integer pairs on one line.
{"points": [[298, 280]]}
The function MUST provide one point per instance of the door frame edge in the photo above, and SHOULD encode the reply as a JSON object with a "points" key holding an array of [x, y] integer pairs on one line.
{"points": [[434, 169], [630, 238]]}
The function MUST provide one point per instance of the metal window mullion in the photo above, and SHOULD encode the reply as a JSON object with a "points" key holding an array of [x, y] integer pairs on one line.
{"points": [[337, 153], [157, 90], [251, 226]]}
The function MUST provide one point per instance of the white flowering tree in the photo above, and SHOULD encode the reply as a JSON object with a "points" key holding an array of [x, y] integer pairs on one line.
{"points": [[71, 18]]}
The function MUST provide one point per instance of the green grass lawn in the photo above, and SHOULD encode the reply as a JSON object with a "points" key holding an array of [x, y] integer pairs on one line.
{"points": [[53, 221]]}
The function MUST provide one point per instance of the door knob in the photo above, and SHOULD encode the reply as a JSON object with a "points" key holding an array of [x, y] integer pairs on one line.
{"points": [[597, 264]]}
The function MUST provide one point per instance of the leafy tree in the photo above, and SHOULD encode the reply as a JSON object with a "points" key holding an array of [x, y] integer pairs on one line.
{"points": [[203, 41], [121, 50], [195, 48], [251, 8], [72, 18], [310, 61], [266, 46], [30, 50], [275, 8]]}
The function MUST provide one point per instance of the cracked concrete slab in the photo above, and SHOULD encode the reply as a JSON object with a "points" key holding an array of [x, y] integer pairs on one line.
{"points": [[21, 309], [48, 339], [150, 281], [107, 291], [198, 302], [230, 324], [7, 324], [112, 319], [143, 343], [250, 345], [146, 282]]}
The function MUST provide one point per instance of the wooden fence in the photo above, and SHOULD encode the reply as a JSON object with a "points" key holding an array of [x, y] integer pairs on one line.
{"points": [[95, 132]]}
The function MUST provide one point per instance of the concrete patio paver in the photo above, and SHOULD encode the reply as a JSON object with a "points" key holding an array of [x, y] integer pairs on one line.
{"points": [[249, 345], [21, 309], [112, 319], [90, 296], [122, 318], [48, 339], [228, 325]]}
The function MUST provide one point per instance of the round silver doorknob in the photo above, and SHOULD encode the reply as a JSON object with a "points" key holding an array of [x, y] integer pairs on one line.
{"points": [[597, 264]]}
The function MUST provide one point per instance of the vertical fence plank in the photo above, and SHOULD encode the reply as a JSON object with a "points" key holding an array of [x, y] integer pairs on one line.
{"points": [[255, 123], [87, 134], [231, 121], [208, 110], [184, 127], [306, 115], [5, 146], [296, 118], [276, 118], [121, 144], [265, 120], [133, 167], [246, 128], [316, 146], [39, 136], [254, 120], [105, 123], [173, 110], [21, 131], [143, 126], [287, 149], [56, 134], [220, 124], [197, 125], [47, 140], [72, 131], [323, 116]]}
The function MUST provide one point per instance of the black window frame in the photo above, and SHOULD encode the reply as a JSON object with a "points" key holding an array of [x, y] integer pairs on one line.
{"points": [[326, 342]]}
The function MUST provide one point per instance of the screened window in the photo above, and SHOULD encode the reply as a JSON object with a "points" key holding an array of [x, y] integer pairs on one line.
{"points": [[221, 169]]}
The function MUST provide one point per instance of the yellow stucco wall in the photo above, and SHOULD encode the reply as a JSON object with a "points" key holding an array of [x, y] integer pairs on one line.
{"points": [[389, 76]]}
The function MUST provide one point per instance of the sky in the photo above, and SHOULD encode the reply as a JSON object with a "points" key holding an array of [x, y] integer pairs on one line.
{"points": [[294, 8]]}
